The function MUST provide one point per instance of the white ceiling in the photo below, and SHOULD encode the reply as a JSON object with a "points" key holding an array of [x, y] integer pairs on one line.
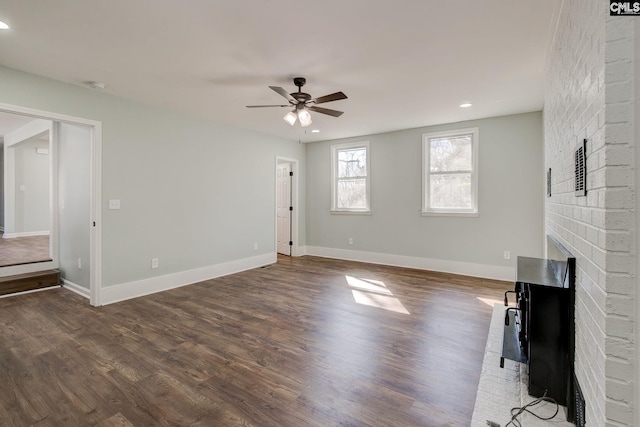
{"points": [[402, 63]]}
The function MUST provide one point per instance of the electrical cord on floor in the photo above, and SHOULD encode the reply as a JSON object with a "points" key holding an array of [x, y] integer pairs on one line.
{"points": [[516, 412]]}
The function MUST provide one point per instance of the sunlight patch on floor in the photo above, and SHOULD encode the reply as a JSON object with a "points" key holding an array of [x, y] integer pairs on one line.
{"points": [[490, 302], [368, 285], [374, 293]]}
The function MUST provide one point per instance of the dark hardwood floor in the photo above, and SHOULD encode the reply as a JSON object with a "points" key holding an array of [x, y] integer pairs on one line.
{"points": [[285, 345], [24, 250]]}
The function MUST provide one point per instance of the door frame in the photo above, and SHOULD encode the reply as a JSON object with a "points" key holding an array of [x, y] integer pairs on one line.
{"points": [[295, 251], [95, 209]]}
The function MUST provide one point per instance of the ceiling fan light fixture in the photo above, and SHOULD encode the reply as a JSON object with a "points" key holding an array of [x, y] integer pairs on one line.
{"points": [[305, 117], [291, 118], [303, 102]]}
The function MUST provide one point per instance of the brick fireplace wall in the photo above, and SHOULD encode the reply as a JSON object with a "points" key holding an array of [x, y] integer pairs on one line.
{"points": [[589, 94]]}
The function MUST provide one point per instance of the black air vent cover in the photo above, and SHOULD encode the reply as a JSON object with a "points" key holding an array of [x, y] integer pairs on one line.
{"points": [[580, 404], [581, 169]]}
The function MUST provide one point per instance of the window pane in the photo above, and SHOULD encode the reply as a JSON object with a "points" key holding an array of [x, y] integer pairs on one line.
{"points": [[352, 162], [352, 194], [451, 191], [449, 154]]}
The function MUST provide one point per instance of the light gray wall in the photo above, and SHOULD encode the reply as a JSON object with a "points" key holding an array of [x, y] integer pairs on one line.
{"points": [[194, 193], [74, 192], [32, 172], [510, 195]]}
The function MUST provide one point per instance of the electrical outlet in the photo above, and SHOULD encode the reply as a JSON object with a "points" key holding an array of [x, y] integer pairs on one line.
{"points": [[79, 263], [154, 263], [114, 204], [351, 240], [507, 255], [255, 246]]}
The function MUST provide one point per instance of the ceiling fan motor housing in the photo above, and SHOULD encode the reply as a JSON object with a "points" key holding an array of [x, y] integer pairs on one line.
{"points": [[301, 97]]}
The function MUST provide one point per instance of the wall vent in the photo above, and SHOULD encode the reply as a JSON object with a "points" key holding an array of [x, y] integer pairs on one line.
{"points": [[581, 169], [578, 401]]}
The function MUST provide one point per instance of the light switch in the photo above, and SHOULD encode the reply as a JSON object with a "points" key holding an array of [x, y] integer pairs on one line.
{"points": [[114, 204]]}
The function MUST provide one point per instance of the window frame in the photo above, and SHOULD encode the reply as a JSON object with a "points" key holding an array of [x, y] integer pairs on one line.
{"points": [[335, 149], [427, 210]]}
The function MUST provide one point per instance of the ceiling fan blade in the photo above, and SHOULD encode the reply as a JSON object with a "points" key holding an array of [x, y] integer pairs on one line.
{"points": [[284, 93], [334, 113], [328, 98], [260, 106]]}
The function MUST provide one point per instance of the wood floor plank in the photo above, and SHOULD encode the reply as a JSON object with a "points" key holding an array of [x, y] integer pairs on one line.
{"points": [[118, 420], [285, 345], [23, 250]]}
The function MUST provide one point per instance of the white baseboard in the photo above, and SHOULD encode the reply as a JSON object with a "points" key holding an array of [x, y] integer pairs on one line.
{"points": [[138, 288], [445, 266], [73, 287], [25, 234]]}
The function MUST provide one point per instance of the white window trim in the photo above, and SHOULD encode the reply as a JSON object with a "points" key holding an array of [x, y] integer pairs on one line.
{"points": [[334, 181], [426, 152]]}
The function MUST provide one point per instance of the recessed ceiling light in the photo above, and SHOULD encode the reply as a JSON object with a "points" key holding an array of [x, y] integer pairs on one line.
{"points": [[4, 26], [315, 131], [466, 105]]}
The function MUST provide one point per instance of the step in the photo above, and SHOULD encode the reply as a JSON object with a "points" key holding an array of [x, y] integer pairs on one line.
{"points": [[29, 281]]}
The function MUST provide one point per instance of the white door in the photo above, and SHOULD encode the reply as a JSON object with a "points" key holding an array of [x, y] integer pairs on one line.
{"points": [[74, 211], [283, 203]]}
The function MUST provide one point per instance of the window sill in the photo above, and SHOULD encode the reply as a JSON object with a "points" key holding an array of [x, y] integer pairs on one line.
{"points": [[335, 212], [452, 214]]}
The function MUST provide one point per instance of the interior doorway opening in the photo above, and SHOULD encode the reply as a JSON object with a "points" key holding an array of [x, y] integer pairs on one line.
{"points": [[25, 185], [68, 201]]}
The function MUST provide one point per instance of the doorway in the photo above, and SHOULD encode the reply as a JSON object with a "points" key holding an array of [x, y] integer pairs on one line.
{"points": [[72, 208], [25, 220], [286, 206]]}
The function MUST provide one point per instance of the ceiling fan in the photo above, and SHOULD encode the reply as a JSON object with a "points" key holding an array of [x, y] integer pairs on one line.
{"points": [[302, 103]]}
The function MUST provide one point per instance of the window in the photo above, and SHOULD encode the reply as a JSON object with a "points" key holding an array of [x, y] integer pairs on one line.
{"points": [[450, 172], [350, 178]]}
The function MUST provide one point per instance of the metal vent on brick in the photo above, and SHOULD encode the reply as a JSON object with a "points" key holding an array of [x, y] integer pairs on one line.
{"points": [[581, 169], [578, 404]]}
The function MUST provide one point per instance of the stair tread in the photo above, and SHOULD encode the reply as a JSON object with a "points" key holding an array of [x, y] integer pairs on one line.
{"points": [[28, 275]]}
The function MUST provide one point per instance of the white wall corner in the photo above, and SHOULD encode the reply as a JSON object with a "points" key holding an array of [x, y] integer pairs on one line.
{"points": [[301, 251], [75, 288]]}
